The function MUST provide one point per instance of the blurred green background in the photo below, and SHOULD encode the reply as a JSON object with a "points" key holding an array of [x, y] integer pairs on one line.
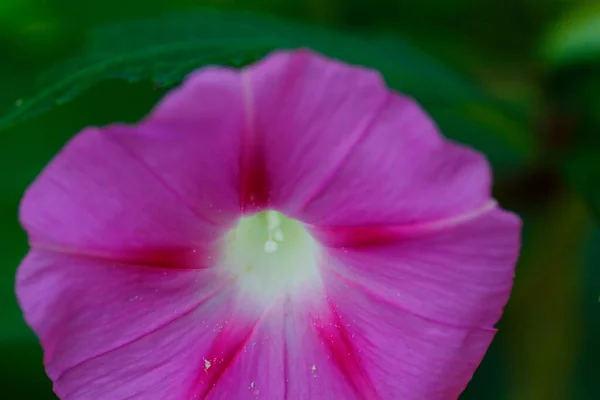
{"points": [[517, 79]]}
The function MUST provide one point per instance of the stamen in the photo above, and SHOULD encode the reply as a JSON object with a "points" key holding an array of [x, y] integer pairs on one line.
{"points": [[274, 233], [270, 246], [273, 220], [278, 235]]}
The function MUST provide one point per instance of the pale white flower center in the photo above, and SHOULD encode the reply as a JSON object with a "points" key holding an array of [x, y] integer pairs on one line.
{"points": [[271, 255]]}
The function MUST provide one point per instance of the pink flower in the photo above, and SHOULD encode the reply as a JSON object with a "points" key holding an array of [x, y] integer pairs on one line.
{"points": [[291, 231]]}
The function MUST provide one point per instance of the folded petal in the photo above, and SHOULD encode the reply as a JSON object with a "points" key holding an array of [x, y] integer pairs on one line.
{"points": [[159, 192], [341, 149]]}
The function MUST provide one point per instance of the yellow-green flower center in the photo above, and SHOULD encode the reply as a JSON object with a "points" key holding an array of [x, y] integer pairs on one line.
{"points": [[271, 255]]}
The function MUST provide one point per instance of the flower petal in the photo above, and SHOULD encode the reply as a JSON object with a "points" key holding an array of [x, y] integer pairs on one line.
{"points": [[460, 275], [312, 369], [404, 355], [287, 358], [257, 371], [200, 153], [164, 189], [343, 150], [114, 331], [420, 311], [404, 172], [307, 114], [82, 308]]}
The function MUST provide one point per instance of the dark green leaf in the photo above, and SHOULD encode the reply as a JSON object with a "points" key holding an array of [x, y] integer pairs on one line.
{"points": [[588, 367], [575, 38], [23, 375], [583, 172], [165, 50]]}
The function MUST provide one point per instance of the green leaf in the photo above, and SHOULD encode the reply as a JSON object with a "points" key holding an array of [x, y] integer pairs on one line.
{"points": [[165, 50], [582, 170], [575, 39], [588, 366], [23, 375]]}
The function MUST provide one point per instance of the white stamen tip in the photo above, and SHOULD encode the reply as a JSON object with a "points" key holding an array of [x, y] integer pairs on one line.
{"points": [[278, 236], [270, 246], [273, 220]]}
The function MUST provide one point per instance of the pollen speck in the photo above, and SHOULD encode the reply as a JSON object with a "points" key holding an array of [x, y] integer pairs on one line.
{"points": [[278, 235]]}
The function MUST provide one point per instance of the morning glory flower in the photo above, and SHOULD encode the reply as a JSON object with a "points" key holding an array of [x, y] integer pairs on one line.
{"points": [[291, 230]]}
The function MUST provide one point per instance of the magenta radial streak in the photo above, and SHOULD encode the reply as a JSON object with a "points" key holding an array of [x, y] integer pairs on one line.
{"points": [[254, 185], [365, 236], [339, 344], [151, 257], [225, 349]]}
